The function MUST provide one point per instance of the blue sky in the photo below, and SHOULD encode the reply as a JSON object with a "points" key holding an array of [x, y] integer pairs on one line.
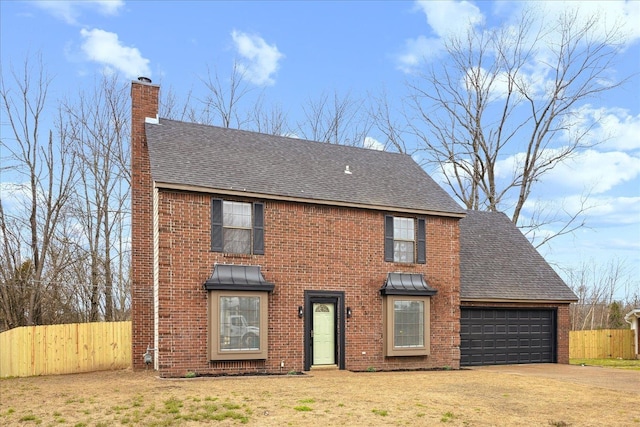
{"points": [[296, 51]]}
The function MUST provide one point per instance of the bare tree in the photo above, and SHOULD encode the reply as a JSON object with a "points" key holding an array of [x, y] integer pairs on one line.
{"points": [[335, 119], [171, 107], [272, 121], [386, 120], [44, 173], [222, 101], [510, 95], [599, 290], [100, 130]]}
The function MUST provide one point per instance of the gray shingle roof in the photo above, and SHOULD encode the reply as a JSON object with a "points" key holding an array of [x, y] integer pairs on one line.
{"points": [[498, 262], [233, 160]]}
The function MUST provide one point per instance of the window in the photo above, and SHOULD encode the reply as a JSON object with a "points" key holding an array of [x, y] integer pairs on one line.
{"points": [[406, 325], [403, 243], [237, 227], [238, 325], [403, 239]]}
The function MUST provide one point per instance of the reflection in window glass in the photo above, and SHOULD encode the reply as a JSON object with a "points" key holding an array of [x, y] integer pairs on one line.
{"points": [[236, 223], [408, 320], [237, 214], [403, 239], [239, 323], [236, 241]]}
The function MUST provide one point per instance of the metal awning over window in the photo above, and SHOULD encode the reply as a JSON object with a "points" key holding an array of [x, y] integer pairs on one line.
{"points": [[406, 284], [237, 278]]}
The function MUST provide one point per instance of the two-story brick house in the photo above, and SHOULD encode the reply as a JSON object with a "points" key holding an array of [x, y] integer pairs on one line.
{"points": [[260, 253]]}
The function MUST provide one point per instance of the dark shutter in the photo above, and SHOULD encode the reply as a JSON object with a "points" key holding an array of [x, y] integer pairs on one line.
{"points": [[388, 238], [216, 225], [258, 228], [421, 242]]}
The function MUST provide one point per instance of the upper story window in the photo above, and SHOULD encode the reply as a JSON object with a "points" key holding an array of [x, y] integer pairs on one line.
{"points": [[405, 240], [237, 227]]}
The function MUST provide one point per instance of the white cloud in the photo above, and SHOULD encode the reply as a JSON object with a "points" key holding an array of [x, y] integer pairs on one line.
{"points": [[439, 17], [447, 18], [70, 11], [105, 48], [600, 171], [260, 59], [417, 51], [615, 210], [622, 15], [615, 128], [372, 144], [618, 15], [589, 170], [13, 195]]}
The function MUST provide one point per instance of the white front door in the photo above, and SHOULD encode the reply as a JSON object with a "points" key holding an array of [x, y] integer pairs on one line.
{"points": [[324, 334]]}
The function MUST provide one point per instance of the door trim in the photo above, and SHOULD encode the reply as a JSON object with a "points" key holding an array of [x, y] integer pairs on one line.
{"points": [[333, 297]]}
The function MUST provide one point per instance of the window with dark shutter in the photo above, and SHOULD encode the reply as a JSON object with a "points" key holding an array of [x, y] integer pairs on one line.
{"points": [[421, 256], [388, 238], [401, 243], [216, 225], [258, 228], [237, 227]]}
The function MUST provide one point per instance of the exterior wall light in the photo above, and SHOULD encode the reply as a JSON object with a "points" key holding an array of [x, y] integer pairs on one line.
{"points": [[300, 312], [348, 312]]}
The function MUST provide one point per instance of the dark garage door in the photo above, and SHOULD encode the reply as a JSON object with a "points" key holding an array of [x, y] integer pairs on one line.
{"points": [[494, 336]]}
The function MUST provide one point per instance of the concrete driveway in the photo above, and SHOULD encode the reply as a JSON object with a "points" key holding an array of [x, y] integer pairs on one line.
{"points": [[626, 380]]}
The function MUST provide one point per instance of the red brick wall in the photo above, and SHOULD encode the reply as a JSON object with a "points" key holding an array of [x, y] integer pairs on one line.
{"points": [[307, 247], [145, 104], [563, 323]]}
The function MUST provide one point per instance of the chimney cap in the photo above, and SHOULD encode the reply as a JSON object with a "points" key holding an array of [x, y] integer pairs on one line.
{"points": [[144, 79]]}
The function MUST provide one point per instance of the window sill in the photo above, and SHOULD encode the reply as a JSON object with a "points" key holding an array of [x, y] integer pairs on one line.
{"points": [[225, 357], [241, 256], [405, 352]]}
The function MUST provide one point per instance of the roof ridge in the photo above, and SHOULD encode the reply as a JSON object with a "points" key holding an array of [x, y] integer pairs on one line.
{"points": [[290, 138]]}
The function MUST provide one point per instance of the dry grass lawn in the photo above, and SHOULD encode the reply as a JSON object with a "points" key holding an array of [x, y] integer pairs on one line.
{"points": [[447, 398]]}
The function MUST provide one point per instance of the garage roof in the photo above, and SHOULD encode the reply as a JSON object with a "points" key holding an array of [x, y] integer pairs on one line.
{"points": [[497, 262]]}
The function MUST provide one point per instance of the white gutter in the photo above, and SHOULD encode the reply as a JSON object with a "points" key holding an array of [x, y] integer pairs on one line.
{"points": [[635, 313]]}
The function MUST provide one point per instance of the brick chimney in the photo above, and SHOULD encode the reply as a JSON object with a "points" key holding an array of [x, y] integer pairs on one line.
{"points": [[144, 103]]}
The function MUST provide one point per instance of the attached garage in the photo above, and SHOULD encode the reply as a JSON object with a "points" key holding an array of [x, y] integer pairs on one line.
{"points": [[499, 336], [514, 308]]}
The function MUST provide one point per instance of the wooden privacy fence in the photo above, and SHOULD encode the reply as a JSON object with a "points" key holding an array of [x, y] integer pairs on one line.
{"points": [[65, 349], [602, 344]]}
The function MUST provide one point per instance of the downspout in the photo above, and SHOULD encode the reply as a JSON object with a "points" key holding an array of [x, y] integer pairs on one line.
{"points": [[633, 324]]}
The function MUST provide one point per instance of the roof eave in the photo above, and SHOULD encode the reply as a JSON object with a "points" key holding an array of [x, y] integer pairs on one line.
{"points": [[633, 313], [518, 300], [243, 193]]}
